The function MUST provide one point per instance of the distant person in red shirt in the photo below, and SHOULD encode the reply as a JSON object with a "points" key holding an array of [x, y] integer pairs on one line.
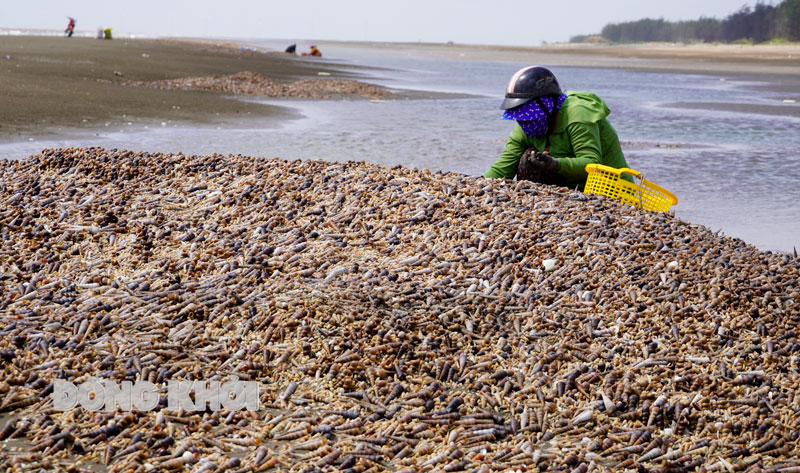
{"points": [[313, 52], [70, 27]]}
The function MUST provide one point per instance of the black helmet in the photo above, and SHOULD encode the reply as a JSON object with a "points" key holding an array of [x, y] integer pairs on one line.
{"points": [[529, 83]]}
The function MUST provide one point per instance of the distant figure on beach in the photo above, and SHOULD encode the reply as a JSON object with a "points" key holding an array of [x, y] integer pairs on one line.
{"points": [[557, 134], [313, 52], [291, 49], [100, 33], [70, 27]]}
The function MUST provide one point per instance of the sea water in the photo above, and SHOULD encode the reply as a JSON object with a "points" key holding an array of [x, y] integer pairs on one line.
{"points": [[727, 147]]}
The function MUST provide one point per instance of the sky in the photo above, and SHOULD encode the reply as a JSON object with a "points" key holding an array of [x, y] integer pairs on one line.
{"points": [[520, 22]]}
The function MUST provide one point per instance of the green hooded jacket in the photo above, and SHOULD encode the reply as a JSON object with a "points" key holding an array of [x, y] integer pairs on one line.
{"points": [[582, 135]]}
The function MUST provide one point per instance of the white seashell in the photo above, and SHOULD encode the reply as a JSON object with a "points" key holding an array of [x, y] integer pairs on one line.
{"points": [[672, 266], [336, 272], [584, 416], [698, 359]]}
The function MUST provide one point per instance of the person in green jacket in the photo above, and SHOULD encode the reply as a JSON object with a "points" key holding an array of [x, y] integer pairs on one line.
{"points": [[557, 134]]}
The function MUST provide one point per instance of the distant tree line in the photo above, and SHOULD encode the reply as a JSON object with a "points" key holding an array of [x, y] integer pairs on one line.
{"points": [[756, 25]]}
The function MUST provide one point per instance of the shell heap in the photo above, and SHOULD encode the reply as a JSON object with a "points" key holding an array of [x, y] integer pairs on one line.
{"points": [[250, 83], [395, 319]]}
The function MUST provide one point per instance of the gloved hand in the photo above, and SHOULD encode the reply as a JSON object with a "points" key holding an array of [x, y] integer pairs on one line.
{"points": [[537, 167], [544, 161], [525, 168]]}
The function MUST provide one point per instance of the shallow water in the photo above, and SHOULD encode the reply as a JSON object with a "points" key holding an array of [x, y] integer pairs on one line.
{"points": [[732, 170]]}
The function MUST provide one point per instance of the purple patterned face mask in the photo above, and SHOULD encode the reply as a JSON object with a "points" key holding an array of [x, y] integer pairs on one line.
{"points": [[534, 128], [531, 117]]}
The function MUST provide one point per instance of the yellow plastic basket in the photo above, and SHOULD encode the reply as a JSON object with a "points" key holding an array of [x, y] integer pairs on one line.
{"points": [[608, 181]]}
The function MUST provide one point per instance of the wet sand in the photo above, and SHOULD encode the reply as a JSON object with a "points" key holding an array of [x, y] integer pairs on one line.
{"points": [[54, 82], [778, 59], [774, 68]]}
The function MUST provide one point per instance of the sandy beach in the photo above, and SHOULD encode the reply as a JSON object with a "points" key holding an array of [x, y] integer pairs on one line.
{"points": [[53, 83], [771, 59], [775, 65]]}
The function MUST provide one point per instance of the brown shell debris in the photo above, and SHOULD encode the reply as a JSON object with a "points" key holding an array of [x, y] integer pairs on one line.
{"points": [[251, 83], [396, 320]]}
